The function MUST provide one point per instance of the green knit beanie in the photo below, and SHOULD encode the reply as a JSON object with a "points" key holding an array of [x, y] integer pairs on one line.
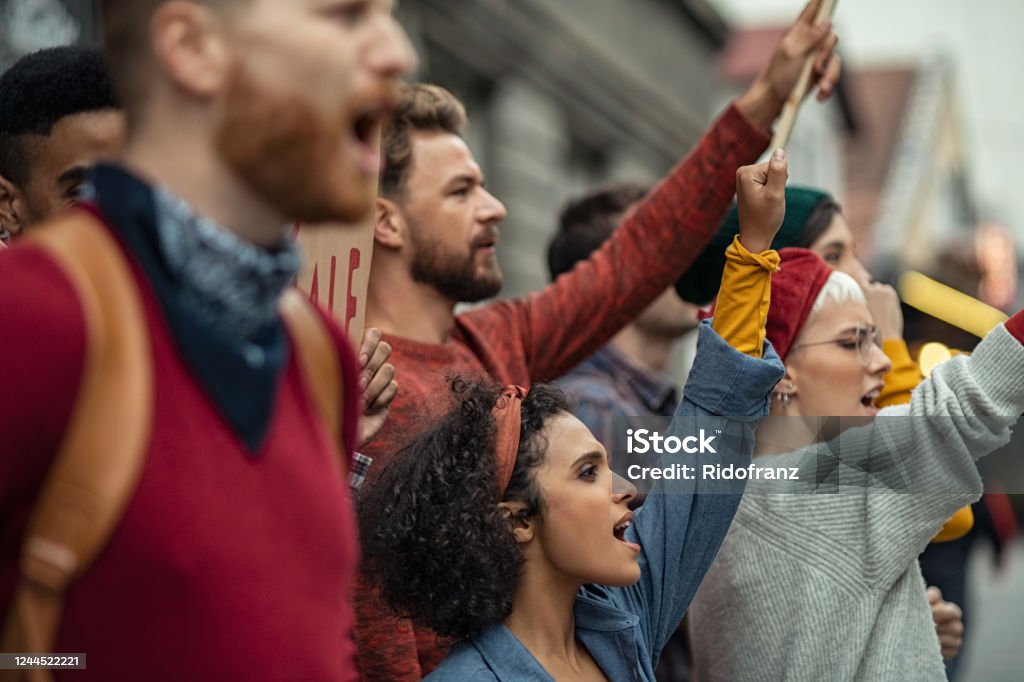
{"points": [[700, 283]]}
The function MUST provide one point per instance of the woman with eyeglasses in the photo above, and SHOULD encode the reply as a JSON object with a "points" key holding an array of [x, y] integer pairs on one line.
{"points": [[818, 578], [815, 221]]}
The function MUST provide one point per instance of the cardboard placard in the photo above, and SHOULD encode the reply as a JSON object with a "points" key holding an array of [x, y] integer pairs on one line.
{"points": [[336, 271]]}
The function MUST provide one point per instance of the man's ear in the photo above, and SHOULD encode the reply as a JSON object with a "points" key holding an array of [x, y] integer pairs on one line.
{"points": [[523, 526], [390, 228], [191, 44], [12, 208]]}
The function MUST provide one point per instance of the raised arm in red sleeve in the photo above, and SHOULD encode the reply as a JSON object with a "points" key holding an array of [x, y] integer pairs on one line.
{"points": [[569, 320]]}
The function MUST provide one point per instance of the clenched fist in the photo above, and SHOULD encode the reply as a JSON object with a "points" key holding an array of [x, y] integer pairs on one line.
{"points": [[761, 194]]}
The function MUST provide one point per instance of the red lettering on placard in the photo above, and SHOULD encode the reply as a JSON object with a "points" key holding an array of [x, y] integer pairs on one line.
{"points": [[351, 302], [314, 287], [330, 295]]}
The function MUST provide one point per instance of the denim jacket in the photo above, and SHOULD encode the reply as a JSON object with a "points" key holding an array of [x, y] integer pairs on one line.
{"points": [[679, 529]]}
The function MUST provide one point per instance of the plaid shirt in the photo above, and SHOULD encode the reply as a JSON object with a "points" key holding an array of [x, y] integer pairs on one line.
{"points": [[360, 465]]}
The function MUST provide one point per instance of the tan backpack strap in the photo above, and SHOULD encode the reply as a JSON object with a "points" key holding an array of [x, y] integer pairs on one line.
{"points": [[319, 362], [103, 452]]}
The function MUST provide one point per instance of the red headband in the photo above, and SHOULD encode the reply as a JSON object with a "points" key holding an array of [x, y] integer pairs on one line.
{"points": [[508, 413]]}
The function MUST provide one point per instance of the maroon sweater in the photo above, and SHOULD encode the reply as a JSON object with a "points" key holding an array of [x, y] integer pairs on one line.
{"points": [[225, 566], [543, 336]]}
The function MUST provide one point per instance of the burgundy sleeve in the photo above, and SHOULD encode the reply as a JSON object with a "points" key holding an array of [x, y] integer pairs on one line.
{"points": [[569, 320]]}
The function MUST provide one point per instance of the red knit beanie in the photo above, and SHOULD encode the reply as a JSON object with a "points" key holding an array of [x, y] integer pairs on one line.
{"points": [[795, 287]]}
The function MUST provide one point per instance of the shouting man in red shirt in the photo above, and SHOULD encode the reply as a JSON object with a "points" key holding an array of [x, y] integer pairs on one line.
{"points": [[233, 557]]}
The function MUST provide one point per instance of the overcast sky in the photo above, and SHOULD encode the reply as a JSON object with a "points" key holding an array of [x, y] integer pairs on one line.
{"points": [[982, 38]]}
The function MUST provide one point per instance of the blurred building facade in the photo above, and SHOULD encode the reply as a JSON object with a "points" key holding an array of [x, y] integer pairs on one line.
{"points": [[569, 94], [562, 95], [909, 195], [30, 25], [907, 169]]}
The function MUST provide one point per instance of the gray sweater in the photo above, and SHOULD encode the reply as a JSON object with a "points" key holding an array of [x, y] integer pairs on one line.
{"points": [[821, 582]]}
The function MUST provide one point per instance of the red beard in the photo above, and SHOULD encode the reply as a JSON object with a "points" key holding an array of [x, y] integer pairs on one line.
{"points": [[290, 155]]}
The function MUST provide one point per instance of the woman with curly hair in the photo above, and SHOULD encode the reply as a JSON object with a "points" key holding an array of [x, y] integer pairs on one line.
{"points": [[505, 530]]}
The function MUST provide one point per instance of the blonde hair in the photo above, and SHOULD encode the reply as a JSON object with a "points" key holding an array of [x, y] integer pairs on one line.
{"points": [[839, 287]]}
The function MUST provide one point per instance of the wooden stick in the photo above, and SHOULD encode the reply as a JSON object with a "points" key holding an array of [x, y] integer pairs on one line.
{"points": [[796, 98]]}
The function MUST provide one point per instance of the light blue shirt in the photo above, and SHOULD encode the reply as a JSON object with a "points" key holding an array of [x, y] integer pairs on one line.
{"points": [[679, 529]]}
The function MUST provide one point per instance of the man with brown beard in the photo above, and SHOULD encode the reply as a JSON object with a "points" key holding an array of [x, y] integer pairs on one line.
{"points": [[234, 557], [435, 247]]}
